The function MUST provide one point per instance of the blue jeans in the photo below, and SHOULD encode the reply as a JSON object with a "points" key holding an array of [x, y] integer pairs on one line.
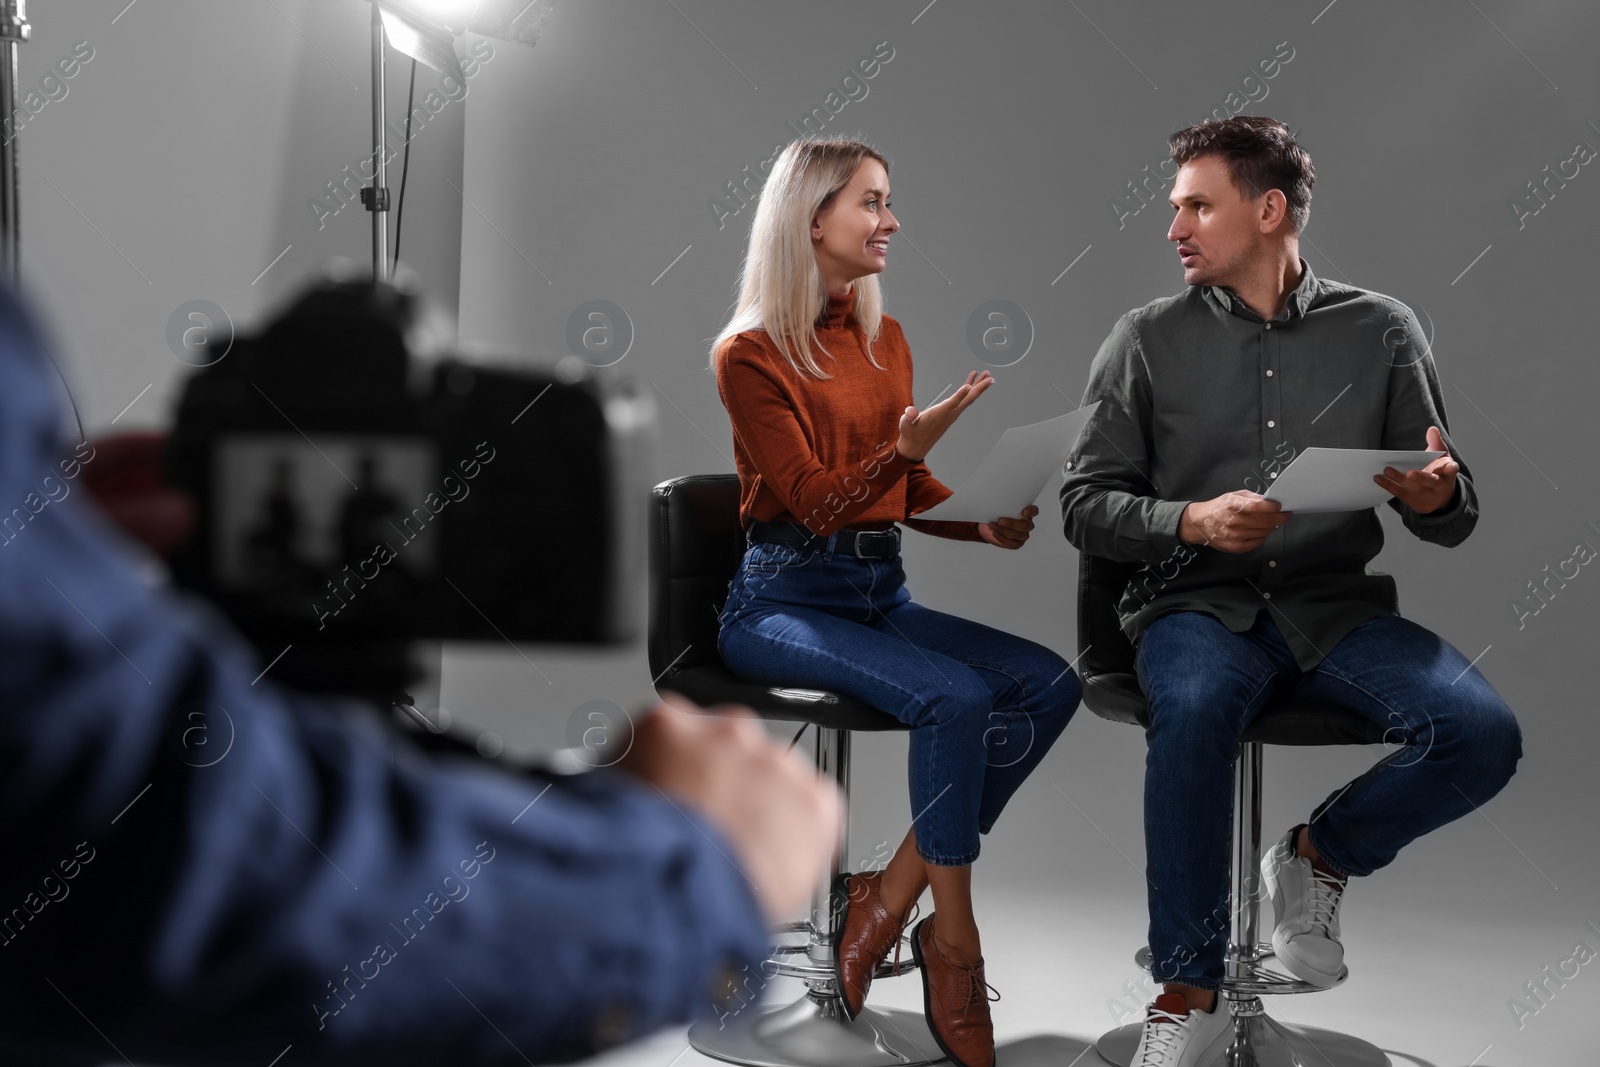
{"points": [[1454, 741], [984, 705]]}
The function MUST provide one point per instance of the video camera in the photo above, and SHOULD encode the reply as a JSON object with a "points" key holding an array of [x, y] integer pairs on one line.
{"points": [[354, 497]]}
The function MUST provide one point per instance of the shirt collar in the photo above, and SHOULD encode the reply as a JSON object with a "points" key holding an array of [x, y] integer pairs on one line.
{"points": [[1301, 300]]}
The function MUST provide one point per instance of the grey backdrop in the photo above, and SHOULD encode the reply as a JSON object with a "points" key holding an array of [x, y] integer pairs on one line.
{"points": [[186, 153]]}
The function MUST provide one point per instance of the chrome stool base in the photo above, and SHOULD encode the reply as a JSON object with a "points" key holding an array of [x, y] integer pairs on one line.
{"points": [[813, 1032], [1260, 1041]]}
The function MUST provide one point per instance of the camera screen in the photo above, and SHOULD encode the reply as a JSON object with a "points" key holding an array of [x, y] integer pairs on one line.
{"points": [[291, 511]]}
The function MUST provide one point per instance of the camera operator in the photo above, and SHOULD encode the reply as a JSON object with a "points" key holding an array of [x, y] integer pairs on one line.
{"points": [[315, 888]]}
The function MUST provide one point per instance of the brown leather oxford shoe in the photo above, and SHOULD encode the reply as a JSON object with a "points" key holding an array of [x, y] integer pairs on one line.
{"points": [[865, 936], [956, 999]]}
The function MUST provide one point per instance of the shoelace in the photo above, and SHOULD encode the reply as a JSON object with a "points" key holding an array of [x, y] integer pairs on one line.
{"points": [[900, 938], [976, 989], [1325, 893], [1161, 1032], [976, 986]]}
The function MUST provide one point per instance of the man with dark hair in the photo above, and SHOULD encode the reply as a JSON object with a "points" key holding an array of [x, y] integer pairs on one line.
{"points": [[1205, 397]]}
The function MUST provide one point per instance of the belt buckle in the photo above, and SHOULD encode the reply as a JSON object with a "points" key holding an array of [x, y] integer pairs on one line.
{"points": [[870, 533]]}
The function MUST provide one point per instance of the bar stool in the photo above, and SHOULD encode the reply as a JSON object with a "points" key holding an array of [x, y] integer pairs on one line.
{"points": [[1111, 690], [696, 544]]}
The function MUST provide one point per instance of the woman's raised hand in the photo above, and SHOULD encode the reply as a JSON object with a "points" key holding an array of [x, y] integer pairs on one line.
{"points": [[920, 431]]}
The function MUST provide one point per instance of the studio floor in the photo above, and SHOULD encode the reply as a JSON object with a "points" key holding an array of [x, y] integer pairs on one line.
{"points": [[1442, 946], [1429, 986]]}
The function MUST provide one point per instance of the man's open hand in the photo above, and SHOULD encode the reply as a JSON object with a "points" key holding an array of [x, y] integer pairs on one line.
{"points": [[1428, 489]]}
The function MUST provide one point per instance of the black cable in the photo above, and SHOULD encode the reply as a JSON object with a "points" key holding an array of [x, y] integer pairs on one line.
{"points": [[405, 163], [796, 740]]}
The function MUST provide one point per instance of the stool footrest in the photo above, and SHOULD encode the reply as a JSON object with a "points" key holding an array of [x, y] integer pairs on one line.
{"points": [[1261, 978], [782, 961]]}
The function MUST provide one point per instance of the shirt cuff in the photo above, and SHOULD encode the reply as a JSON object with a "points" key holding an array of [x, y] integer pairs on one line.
{"points": [[701, 934], [898, 464], [725, 938], [950, 529], [1165, 518], [1447, 513]]}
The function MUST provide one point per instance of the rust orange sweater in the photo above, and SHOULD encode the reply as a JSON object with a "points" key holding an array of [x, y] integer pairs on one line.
{"points": [[820, 452]]}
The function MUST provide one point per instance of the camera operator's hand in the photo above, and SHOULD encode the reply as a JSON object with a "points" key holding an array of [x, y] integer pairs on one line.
{"points": [[124, 476], [782, 818], [1233, 522]]}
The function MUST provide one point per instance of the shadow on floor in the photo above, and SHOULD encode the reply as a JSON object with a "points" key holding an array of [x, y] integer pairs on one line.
{"points": [[1047, 1050], [1408, 1060], [1055, 1050]]}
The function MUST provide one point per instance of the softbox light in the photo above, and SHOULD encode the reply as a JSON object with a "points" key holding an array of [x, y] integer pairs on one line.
{"points": [[426, 30]]}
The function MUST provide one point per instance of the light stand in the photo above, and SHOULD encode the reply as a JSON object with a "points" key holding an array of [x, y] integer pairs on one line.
{"points": [[14, 29], [413, 28], [376, 196]]}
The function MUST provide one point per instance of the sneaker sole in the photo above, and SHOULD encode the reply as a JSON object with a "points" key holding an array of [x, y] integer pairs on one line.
{"points": [[1299, 968], [1281, 948]]}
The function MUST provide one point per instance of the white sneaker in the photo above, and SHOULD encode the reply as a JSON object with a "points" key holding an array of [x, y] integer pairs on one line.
{"points": [[1306, 904], [1174, 1036]]}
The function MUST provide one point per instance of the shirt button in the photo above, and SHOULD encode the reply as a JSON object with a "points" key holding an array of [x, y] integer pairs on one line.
{"points": [[1266, 596], [1271, 423], [1269, 325], [1272, 474], [1269, 374], [1272, 563]]}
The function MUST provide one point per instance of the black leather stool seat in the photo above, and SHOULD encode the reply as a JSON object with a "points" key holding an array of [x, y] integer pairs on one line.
{"points": [[1117, 697], [1111, 688], [708, 685], [696, 543]]}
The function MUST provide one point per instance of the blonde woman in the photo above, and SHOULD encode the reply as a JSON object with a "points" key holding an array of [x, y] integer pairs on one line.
{"points": [[829, 450]]}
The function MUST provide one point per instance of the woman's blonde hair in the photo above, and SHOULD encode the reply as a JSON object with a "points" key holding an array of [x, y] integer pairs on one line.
{"points": [[781, 289]]}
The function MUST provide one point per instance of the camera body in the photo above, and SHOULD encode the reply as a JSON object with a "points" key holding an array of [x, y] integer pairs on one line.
{"points": [[354, 497]]}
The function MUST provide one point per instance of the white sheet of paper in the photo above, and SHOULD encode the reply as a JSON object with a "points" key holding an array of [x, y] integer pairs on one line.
{"points": [[1340, 479], [1015, 471]]}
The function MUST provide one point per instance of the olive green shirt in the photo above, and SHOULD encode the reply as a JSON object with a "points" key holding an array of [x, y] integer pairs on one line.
{"points": [[1199, 396]]}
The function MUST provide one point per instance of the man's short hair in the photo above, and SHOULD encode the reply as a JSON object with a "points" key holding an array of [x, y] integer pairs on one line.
{"points": [[1261, 154]]}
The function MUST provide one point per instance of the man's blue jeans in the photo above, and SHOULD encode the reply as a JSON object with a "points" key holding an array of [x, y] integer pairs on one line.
{"points": [[984, 705], [1454, 745]]}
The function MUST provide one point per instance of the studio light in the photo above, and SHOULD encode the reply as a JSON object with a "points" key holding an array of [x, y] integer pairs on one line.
{"points": [[425, 30]]}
